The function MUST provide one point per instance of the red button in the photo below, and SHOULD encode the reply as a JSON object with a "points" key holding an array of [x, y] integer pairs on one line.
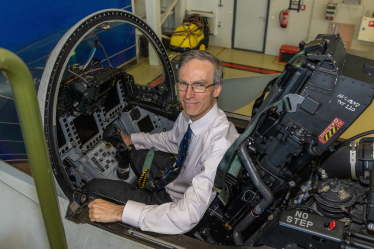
{"points": [[332, 225]]}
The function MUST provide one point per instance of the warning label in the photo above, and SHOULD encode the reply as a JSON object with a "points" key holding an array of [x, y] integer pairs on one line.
{"points": [[335, 125], [371, 24], [300, 219]]}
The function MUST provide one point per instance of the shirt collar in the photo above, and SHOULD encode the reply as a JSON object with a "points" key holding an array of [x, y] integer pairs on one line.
{"points": [[201, 124]]}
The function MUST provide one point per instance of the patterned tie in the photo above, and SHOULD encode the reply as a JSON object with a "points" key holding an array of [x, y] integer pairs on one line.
{"points": [[168, 174]]}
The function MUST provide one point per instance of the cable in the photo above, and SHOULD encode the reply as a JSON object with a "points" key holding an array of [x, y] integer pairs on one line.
{"points": [[92, 53], [97, 42], [85, 73], [94, 70], [106, 56], [273, 125], [330, 151], [187, 23], [79, 77], [316, 179], [353, 138]]}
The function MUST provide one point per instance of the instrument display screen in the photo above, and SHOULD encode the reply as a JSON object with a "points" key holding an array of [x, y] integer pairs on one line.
{"points": [[60, 135], [145, 125], [112, 100], [86, 127]]}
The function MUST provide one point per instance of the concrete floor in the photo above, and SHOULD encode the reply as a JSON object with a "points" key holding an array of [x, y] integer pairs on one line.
{"points": [[145, 74], [245, 58]]}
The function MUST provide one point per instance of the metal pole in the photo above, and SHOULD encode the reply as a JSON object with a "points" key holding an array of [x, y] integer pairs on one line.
{"points": [[29, 116]]}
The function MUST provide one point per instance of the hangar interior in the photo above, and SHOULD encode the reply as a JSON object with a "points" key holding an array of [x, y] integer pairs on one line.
{"points": [[254, 41], [257, 56]]}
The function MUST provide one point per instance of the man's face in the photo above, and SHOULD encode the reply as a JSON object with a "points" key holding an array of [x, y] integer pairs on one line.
{"points": [[198, 104]]}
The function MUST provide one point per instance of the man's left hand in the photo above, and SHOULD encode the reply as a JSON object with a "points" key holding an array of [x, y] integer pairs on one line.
{"points": [[104, 211]]}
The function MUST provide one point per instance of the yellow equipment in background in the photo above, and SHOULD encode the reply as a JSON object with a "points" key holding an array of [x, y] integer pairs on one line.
{"points": [[192, 34]]}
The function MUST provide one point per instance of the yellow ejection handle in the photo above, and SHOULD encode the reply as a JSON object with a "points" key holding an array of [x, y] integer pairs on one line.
{"points": [[29, 116]]}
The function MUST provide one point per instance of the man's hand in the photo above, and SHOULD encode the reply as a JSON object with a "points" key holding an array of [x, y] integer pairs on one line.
{"points": [[126, 139], [104, 211]]}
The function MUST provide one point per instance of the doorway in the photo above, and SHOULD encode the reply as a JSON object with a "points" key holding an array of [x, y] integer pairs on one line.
{"points": [[250, 25]]}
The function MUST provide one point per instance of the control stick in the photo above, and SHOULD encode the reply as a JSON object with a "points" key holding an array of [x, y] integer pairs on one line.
{"points": [[112, 134]]}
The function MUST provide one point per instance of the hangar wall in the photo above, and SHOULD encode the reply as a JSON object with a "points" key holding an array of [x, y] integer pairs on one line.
{"points": [[225, 15], [301, 26], [297, 28], [298, 24]]}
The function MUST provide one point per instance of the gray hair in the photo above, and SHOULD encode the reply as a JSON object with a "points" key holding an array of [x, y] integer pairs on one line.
{"points": [[204, 56]]}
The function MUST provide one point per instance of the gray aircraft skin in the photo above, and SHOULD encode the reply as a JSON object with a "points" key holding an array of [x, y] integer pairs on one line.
{"points": [[22, 223]]}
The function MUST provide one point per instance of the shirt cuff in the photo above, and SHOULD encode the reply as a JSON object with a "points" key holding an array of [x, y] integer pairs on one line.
{"points": [[131, 213], [138, 140]]}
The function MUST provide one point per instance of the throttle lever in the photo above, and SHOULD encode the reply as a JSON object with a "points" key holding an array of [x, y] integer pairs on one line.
{"points": [[112, 134]]}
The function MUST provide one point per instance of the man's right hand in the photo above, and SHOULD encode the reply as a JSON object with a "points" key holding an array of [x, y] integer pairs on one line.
{"points": [[126, 139], [103, 211]]}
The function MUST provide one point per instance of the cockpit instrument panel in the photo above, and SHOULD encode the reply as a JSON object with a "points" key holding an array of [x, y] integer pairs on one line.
{"points": [[85, 92], [85, 110]]}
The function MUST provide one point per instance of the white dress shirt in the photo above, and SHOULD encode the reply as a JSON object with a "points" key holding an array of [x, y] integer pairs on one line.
{"points": [[191, 191]]}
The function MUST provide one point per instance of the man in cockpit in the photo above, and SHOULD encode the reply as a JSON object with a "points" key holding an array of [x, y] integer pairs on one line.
{"points": [[177, 200]]}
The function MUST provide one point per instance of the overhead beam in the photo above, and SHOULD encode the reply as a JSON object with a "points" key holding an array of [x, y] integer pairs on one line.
{"points": [[167, 11]]}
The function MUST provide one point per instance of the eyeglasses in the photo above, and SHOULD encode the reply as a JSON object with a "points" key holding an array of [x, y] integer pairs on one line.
{"points": [[196, 87]]}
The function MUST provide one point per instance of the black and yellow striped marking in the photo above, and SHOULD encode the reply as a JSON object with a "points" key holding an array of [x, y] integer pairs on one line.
{"points": [[331, 132], [142, 179]]}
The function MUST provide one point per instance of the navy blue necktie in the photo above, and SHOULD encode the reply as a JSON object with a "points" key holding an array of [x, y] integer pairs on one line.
{"points": [[167, 175]]}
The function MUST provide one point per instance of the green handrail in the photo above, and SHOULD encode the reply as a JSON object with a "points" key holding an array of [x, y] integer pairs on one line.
{"points": [[29, 116]]}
